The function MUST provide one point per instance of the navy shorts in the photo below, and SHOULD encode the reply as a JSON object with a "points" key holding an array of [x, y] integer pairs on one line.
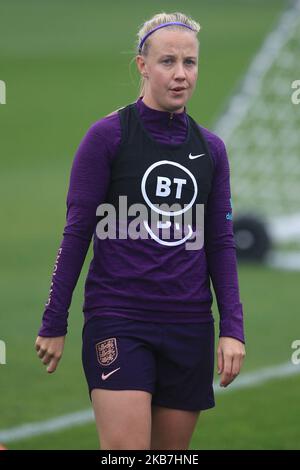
{"points": [[172, 361]]}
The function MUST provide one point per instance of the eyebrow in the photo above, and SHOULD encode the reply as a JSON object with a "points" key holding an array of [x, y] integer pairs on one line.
{"points": [[172, 55]]}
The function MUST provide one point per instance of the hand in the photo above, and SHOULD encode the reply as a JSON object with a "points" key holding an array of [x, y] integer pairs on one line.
{"points": [[231, 353], [50, 350]]}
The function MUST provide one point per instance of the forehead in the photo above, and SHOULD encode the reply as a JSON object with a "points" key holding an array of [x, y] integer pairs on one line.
{"points": [[166, 41]]}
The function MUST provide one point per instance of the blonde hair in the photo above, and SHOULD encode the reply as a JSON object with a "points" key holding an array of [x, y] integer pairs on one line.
{"points": [[157, 20]]}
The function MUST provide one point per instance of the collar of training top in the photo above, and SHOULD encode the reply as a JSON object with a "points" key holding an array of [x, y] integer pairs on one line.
{"points": [[153, 116]]}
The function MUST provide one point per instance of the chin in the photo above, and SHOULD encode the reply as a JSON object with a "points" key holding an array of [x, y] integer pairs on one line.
{"points": [[176, 105]]}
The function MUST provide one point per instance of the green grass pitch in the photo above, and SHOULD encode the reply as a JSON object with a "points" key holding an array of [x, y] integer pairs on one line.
{"points": [[66, 64]]}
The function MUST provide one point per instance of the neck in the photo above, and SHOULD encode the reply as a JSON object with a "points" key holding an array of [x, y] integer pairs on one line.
{"points": [[151, 104]]}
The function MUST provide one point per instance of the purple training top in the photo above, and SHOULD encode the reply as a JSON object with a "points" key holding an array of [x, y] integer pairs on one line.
{"points": [[122, 281]]}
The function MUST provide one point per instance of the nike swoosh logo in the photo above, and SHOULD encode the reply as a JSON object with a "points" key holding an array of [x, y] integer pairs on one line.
{"points": [[105, 376], [196, 156]]}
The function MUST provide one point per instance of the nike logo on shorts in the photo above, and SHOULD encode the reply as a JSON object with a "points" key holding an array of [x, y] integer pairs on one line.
{"points": [[105, 376], [196, 156]]}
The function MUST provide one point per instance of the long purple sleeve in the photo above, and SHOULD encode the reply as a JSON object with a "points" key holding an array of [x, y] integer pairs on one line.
{"points": [[88, 185], [89, 182], [220, 246]]}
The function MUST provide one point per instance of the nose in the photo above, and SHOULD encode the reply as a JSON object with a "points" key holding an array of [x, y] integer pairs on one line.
{"points": [[179, 70]]}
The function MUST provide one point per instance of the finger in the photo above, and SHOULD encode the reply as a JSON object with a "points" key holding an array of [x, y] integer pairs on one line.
{"points": [[236, 366], [241, 360], [226, 375], [53, 365], [41, 353], [220, 361], [47, 358]]}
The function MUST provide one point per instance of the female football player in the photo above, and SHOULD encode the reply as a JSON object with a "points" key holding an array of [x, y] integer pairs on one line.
{"points": [[148, 337]]}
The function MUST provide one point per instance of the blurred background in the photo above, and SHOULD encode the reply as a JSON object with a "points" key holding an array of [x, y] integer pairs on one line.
{"points": [[66, 64]]}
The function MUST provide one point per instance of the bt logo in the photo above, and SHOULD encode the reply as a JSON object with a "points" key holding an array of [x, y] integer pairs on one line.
{"points": [[164, 187]]}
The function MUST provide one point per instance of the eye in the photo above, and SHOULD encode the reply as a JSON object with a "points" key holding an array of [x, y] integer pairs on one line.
{"points": [[190, 61], [165, 61]]}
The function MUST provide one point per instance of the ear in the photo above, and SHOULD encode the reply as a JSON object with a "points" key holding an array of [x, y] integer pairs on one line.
{"points": [[141, 65]]}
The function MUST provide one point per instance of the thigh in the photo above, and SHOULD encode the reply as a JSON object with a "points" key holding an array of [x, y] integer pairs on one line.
{"points": [[123, 418], [172, 429], [185, 367]]}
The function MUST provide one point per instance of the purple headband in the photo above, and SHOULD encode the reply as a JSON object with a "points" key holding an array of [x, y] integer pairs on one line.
{"points": [[161, 26]]}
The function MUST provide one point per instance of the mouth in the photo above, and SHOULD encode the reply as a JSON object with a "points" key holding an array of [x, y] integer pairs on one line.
{"points": [[178, 89]]}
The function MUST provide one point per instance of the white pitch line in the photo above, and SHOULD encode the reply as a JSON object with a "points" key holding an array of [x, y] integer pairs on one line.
{"points": [[26, 431], [250, 379]]}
